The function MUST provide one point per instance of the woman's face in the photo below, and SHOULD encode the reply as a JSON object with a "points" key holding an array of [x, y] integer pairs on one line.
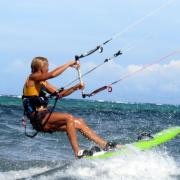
{"points": [[45, 67]]}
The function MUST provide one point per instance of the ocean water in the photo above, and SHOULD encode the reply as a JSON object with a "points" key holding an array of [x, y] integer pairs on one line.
{"points": [[49, 156]]}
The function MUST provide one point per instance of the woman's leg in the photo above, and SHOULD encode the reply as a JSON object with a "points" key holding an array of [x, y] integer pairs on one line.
{"points": [[68, 123], [89, 133], [63, 122]]}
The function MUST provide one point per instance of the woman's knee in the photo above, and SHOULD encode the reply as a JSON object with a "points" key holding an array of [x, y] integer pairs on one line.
{"points": [[69, 118], [79, 122]]}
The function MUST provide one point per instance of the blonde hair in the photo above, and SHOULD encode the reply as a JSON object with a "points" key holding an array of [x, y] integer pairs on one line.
{"points": [[37, 63]]}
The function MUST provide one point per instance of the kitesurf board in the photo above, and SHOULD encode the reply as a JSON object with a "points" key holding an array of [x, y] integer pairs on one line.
{"points": [[141, 145]]}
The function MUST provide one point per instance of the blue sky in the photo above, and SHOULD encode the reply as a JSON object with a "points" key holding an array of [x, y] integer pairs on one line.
{"points": [[59, 30]]}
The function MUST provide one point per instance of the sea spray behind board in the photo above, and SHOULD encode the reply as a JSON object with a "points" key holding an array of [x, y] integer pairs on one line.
{"points": [[23, 157], [147, 165]]}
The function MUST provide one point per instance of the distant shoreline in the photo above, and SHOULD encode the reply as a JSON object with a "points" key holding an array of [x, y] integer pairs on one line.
{"points": [[101, 101]]}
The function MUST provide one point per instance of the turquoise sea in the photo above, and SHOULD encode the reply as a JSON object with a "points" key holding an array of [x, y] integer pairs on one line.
{"points": [[49, 156]]}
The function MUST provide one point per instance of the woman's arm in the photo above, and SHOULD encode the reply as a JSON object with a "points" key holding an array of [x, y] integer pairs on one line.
{"points": [[67, 92], [50, 88], [44, 76]]}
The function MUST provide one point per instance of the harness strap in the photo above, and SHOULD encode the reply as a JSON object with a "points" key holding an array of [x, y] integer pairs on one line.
{"points": [[24, 125], [24, 120]]}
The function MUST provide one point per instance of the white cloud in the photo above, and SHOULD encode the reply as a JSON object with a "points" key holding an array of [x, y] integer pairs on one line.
{"points": [[153, 83], [168, 71], [133, 68]]}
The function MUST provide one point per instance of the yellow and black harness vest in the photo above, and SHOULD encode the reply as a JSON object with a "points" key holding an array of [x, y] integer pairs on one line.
{"points": [[34, 97]]}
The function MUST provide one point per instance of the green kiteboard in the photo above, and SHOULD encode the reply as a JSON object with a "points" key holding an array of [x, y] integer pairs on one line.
{"points": [[141, 145]]}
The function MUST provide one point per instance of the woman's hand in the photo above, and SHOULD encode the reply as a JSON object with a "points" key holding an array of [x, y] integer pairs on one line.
{"points": [[79, 86], [74, 64]]}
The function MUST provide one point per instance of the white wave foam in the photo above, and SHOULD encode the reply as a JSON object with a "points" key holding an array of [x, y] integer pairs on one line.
{"points": [[145, 165], [21, 173]]}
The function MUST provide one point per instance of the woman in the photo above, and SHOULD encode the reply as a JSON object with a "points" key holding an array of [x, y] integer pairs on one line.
{"points": [[35, 105]]}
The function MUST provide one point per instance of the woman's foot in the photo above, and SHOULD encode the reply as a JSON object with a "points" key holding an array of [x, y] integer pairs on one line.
{"points": [[112, 145], [84, 152]]}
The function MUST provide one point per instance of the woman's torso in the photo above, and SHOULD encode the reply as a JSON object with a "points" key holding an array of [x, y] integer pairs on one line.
{"points": [[33, 88], [34, 97]]}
